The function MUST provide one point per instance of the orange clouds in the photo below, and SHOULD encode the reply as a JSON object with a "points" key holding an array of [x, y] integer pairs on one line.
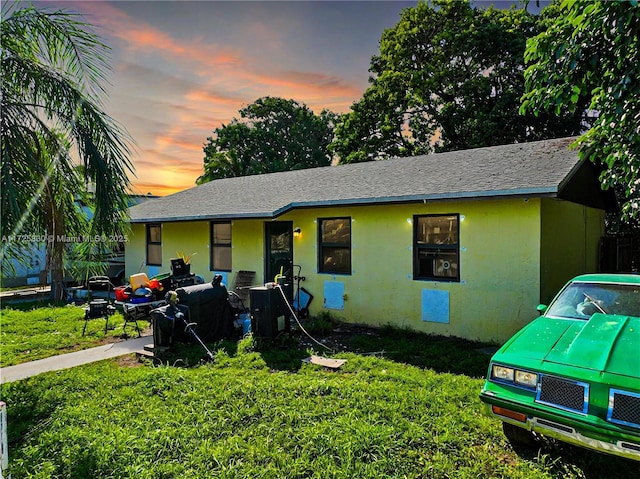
{"points": [[145, 37], [310, 83], [165, 174], [174, 113], [212, 97], [164, 188], [172, 141]]}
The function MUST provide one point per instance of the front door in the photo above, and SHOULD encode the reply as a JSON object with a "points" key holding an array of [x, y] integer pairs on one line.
{"points": [[279, 253]]}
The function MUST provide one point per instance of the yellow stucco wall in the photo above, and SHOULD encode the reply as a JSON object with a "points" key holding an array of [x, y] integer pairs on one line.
{"points": [[192, 238], [570, 239], [499, 267], [134, 250], [499, 263]]}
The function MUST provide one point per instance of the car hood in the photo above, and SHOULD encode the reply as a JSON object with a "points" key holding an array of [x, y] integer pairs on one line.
{"points": [[604, 343]]}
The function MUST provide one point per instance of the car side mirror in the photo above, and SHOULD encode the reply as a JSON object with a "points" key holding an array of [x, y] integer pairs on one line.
{"points": [[541, 308]]}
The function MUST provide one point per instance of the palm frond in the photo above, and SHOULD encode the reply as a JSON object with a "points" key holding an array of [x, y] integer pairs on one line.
{"points": [[60, 40], [53, 69]]}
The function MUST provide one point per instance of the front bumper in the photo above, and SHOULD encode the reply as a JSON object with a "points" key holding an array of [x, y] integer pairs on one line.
{"points": [[562, 432]]}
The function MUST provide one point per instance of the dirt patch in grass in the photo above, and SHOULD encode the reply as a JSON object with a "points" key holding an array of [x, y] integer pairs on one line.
{"points": [[443, 354], [129, 361], [337, 339]]}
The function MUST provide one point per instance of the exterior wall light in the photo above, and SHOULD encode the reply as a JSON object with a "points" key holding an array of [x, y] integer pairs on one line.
{"points": [[297, 232]]}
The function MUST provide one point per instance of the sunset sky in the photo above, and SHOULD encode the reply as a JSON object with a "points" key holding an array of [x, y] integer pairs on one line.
{"points": [[183, 68]]}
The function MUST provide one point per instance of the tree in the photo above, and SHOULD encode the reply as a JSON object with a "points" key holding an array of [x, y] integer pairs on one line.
{"points": [[53, 67], [592, 48], [56, 211], [272, 134], [448, 77]]}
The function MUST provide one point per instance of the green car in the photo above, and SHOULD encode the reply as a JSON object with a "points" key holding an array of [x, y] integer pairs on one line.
{"points": [[573, 373]]}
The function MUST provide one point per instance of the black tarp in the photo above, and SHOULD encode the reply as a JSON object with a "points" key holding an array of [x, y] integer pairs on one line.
{"points": [[209, 308]]}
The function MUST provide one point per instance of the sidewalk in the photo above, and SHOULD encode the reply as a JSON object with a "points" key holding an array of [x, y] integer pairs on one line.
{"points": [[70, 360]]}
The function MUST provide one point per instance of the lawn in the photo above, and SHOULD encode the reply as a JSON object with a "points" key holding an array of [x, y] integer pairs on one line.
{"points": [[29, 331], [403, 406]]}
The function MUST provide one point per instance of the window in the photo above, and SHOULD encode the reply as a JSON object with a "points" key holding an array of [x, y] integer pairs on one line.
{"points": [[221, 246], [436, 247], [154, 245], [334, 245]]}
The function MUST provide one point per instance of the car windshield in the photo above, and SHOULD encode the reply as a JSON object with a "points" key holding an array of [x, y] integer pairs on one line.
{"points": [[581, 300]]}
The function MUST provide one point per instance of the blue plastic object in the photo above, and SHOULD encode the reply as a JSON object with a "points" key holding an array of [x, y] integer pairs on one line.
{"points": [[246, 323]]}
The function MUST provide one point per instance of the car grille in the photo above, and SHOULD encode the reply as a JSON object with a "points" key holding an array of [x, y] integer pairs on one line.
{"points": [[563, 394], [624, 408]]}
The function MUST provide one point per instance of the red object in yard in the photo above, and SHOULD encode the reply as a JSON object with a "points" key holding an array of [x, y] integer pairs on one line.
{"points": [[121, 293], [155, 284]]}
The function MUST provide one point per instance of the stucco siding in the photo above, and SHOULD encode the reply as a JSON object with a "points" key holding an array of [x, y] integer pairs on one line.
{"points": [[499, 264], [499, 285], [193, 238], [248, 248], [570, 236], [135, 252]]}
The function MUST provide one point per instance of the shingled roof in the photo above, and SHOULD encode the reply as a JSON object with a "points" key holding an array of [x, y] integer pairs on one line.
{"points": [[542, 168]]}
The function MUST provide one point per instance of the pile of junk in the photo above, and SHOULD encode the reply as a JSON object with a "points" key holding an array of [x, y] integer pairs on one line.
{"points": [[183, 308], [199, 313], [143, 294]]}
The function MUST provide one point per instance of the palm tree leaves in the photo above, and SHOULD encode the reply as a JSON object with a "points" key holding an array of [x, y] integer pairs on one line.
{"points": [[59, 41], [53, 71], [54, 68]]}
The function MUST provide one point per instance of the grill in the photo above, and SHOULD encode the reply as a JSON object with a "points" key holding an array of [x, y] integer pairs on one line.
{"points": [[624, 408], [563, 394]]}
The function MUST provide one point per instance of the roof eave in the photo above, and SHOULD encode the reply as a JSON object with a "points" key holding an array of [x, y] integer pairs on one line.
{"points": [[471, 195], [467, 195], [174, 219]]}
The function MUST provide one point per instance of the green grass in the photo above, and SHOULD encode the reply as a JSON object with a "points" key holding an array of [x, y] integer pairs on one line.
{"points": [[28, 332], [251, 415], [404, 405]]}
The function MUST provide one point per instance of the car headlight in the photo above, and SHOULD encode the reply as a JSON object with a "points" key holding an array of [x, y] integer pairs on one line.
{"points": [[502, 373], [517, 377], [526, 378]]}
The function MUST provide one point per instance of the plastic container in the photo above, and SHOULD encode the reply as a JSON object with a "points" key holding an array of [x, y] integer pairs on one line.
{"points": [[121, 293], [142, 292], [246, 322], [138, 280]]}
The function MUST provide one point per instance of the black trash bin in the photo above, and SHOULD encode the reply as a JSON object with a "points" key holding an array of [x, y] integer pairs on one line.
{"points": [[270, 314], [166, 330]]}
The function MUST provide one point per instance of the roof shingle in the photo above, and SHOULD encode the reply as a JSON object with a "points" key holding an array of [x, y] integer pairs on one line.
{"points": [[533, 169]]}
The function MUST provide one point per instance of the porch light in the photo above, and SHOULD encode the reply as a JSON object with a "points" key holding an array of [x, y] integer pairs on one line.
{"points": [[297, 232]]}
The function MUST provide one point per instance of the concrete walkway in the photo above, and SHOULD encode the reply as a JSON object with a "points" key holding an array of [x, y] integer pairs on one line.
{"points": [[77, 358]]}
